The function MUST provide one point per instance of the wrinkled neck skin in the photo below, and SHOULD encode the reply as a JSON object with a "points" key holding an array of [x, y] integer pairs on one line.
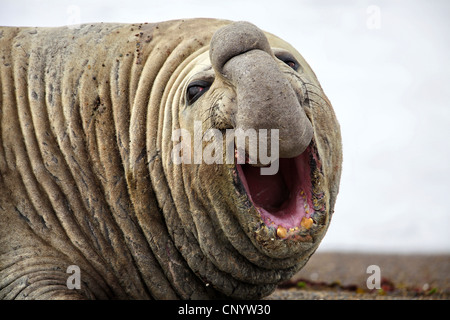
{"points": [[97, 117]]}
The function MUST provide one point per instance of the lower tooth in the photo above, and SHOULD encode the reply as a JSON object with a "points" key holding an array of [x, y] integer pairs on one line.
{"points": [[306, 222], [281, 232]]}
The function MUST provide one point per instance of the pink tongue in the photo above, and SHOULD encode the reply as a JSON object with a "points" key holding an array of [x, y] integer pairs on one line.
{"points": [[267, 191]]}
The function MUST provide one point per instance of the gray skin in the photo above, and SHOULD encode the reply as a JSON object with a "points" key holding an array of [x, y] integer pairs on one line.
{"points": [[250, 60], [86, 176]]}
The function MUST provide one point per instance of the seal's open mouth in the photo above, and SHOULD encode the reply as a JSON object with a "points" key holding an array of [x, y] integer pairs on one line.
{"points": [[289, 199]]}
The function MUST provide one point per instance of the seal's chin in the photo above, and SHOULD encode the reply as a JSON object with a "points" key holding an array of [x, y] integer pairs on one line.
{"points": [[289, 200]]}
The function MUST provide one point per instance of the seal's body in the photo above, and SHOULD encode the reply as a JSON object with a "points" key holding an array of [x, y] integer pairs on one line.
{"points": [[86, 173]]}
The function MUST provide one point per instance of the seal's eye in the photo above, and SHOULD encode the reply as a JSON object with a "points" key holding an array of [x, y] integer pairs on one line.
{"points": [[288, 59], [292, 64], [196, 89]]}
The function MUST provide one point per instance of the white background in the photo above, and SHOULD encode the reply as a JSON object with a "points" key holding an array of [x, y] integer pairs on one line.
{"points": [[384, 66]]}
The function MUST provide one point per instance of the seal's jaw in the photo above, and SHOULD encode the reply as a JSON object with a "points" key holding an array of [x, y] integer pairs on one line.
{"points": [[290, 202]]}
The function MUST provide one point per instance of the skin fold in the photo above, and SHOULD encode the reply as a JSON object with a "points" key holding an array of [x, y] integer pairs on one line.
{"points": [[86, 177]]}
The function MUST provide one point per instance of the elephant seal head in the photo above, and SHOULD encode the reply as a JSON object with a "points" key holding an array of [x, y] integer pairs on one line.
{"points": [[256, 229]]}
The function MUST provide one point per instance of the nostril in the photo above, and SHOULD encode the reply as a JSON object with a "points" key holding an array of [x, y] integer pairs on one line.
{"points": [[235, 39]]}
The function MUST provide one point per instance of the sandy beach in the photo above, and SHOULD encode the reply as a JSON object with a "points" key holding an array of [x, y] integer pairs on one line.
{"points": [[335, 276]]}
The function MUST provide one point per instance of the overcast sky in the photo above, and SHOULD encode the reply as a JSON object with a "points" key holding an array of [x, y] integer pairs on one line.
{"points": [[384, 66]]}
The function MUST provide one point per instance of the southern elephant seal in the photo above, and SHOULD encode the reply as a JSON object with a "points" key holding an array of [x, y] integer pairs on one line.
{"points": [[87, 172]]}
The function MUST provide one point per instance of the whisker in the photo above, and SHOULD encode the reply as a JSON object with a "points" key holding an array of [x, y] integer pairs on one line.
{"points": [[209, 117], [313, 85], [309, 92], [321, 97], [209, 109]]}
